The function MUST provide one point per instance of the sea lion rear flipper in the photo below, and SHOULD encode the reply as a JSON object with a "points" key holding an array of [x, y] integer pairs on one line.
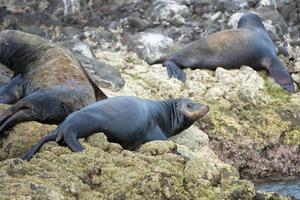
{"points": [[34, 107], [69, 137], [37, 146], [281, 75], [175, 71]]}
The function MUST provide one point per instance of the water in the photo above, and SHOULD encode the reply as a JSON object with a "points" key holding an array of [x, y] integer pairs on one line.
{"points": [[286, 187]]}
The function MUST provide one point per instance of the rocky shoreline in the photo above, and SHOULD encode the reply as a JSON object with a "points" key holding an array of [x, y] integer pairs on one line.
{"points": [[252, 129]]}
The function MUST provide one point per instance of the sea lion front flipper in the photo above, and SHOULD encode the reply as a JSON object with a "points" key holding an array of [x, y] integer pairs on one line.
{"points": [[281, 75], [155, 134], [175, 71], [50, 137], [12, 91]]}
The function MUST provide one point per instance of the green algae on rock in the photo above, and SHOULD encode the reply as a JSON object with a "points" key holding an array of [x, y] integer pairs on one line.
{"points": [[106, 171]]}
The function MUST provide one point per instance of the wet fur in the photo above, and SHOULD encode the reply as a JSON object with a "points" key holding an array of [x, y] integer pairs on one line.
{"points": [[48, 82], [129, 121], [249, 45]]}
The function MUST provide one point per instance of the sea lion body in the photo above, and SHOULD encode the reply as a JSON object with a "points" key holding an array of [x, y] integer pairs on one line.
{"points": [[249, 45], [129, 121], [48, 82]]}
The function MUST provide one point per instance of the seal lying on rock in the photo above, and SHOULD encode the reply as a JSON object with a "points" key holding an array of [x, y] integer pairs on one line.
{"points": [[129, 121], [48, 82], [249, 45]]}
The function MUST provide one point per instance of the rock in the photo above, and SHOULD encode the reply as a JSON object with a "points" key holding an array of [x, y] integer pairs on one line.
{"points": [[104, 75], [234, 19], [79, 47], [165, 10], [268, 3], [231, 5], [101, 172], [274, 23], [192, 138], [217, 17], [151, 46], [155, 148], [21, 138]]}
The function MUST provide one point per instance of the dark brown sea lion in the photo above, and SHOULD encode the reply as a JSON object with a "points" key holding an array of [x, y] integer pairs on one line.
{"points": [[249, 45], [48, 82], [129, 121]]}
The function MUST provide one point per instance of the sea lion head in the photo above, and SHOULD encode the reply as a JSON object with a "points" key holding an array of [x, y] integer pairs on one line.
{"points": [[250, 20], [191, 110], [183, 113]]}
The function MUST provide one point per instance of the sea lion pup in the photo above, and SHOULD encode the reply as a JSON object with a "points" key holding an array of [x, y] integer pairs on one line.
{"points": [[249, 45], [129, 121], [48, 82]]}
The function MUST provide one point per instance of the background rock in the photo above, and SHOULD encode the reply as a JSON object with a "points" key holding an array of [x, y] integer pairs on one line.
{"points": [[252, 124]]}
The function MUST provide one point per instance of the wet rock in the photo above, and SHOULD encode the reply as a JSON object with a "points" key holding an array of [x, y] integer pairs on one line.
{"points": [[151, 46]]}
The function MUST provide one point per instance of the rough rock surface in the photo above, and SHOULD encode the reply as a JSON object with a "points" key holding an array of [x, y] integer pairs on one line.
{"points": [[252, 124], [105, 170]]}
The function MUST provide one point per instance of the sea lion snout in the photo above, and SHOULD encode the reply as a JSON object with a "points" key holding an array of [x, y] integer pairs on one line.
{"points": [[193, 110]]}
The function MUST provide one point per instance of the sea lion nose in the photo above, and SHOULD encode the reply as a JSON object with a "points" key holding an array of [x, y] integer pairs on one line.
{"points": [[204, 109]]}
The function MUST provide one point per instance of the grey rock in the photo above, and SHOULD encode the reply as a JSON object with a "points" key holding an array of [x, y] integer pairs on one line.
{"points": [[192, 138], [104, 75], [79, 47], [234, 19], [151, 46], [165, 10], [268, 3]]}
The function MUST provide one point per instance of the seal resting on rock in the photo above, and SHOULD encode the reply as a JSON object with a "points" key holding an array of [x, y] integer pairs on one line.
{"points": [[129, 121], [249, 45], [48, 82]]}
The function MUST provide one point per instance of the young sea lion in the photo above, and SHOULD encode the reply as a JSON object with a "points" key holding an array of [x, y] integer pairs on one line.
{"points": [[129, 121], [249, 45], [48, 82]]}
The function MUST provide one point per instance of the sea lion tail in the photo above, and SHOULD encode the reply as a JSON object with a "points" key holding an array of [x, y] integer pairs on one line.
{"points": [[37, 146], [158, 61], [281, 75]]}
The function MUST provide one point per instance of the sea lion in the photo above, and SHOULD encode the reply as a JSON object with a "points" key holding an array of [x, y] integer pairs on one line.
{"points": [[249, 45], [129, 121], [48, 82]]}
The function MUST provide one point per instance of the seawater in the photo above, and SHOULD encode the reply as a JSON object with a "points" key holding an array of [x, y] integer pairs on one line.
{"points": [[286, 187]]}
